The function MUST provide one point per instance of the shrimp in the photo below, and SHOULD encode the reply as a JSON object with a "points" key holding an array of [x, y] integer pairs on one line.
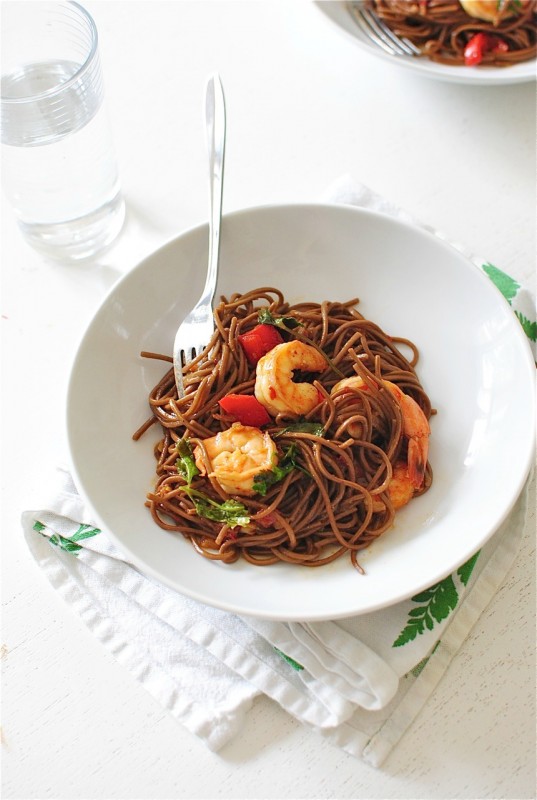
{"points": [[415, 426], [491, 10], [274, 386], [236, 456], [400, 489]]}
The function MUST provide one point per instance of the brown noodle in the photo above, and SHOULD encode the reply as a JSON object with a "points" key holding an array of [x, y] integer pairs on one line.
{"points": [[441, 29], [337, 501]]}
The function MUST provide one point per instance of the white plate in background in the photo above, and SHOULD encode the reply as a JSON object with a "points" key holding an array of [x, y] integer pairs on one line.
{"points": [[338, 13]]}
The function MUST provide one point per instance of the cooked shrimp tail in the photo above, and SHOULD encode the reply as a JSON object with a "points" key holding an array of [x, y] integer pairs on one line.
{"points": [[416, 429], [417, 460], [415, 426], [400, 488]]}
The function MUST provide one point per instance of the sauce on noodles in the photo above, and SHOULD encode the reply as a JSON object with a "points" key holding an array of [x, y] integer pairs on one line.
{"points": [[445, 33], [334, 486]]}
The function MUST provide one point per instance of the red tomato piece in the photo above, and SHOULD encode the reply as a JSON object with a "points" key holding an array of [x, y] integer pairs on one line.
{"points": [[501, 46], [473, 52], [480, 44], [246, 409], [267, 521], [257, 342]]}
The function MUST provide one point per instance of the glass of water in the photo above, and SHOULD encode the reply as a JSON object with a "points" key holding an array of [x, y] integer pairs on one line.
{"points": [[59, 169]]}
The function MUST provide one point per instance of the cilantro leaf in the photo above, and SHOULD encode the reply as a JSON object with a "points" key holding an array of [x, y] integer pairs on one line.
{"points": [[186, 464], [265, 317], [512, 5], [315, 428], [230, 512], [285, 465]]}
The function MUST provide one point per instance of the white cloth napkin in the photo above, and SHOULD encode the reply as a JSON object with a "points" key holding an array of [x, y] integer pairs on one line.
{"points": [[359, 681]]}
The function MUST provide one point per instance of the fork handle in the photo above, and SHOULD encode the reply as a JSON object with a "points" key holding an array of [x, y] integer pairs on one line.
{"points": [[215, 117]]}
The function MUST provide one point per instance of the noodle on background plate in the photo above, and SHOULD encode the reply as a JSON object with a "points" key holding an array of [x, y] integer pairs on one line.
{"points": [[443, 30], [333, 498]]}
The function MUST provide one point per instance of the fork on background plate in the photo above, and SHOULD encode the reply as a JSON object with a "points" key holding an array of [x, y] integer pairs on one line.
{"points": [[197, 328], [379, 33]]}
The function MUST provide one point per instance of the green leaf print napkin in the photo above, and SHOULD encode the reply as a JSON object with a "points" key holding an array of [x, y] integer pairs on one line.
{"points": [[360, 682], [517, 297]]}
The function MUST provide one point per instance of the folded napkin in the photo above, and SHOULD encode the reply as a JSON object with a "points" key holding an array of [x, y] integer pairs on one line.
{"points": [[359, 681]]}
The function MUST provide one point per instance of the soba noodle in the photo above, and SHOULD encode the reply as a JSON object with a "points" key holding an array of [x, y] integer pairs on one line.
{"points": [[442, 29], [335, 500]]}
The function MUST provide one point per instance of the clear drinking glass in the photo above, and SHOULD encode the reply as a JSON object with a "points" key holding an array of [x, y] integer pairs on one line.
{"points": [[59, 168]]}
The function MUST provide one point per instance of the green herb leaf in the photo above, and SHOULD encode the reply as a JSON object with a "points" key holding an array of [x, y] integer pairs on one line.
{"points": [[285, 465], [315, 428], [513, 5], [265, 317], [186, 464], [230, 512]]}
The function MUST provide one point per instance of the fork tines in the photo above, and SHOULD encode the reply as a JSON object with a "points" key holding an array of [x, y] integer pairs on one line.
{"points": [[379, 33]]}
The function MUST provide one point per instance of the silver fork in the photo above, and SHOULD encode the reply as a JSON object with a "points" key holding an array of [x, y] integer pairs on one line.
{"points": [[378, 32], [195, 332]]}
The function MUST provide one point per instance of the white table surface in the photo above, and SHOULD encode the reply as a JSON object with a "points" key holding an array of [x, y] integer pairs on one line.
{"points": [[304, 105]]}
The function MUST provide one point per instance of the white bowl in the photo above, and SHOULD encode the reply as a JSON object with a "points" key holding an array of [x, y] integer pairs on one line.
{"points": [[475, 364]]}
